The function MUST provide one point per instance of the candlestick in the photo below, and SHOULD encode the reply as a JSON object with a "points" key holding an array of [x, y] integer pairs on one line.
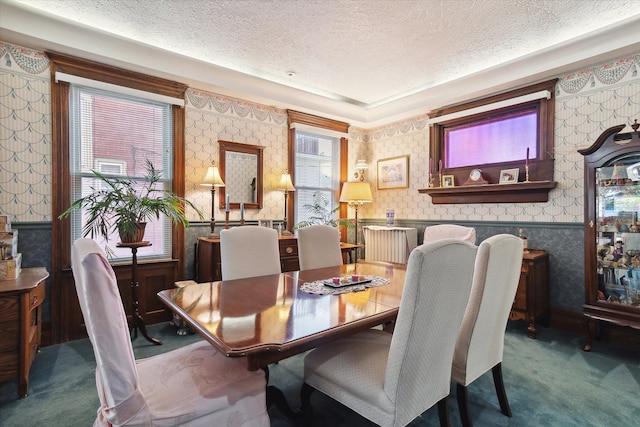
{"points": [[431, 172], [241, 211], [527, 161], [226, 220], [440, 167], [226, 203]]}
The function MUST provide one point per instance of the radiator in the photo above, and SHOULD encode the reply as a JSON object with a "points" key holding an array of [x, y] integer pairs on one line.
{"points": [[390, 244]]}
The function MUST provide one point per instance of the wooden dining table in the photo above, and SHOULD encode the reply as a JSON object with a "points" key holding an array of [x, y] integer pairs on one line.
{"points": [[262, 320]]}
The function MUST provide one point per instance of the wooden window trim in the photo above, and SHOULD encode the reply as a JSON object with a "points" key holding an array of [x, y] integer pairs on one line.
{"points": [[541, 167], [61, 178], [323, 123]]}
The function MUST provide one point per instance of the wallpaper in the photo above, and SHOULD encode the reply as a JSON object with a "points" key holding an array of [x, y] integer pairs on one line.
{"points": [[587, 102], [25, 134], [210, 118]]}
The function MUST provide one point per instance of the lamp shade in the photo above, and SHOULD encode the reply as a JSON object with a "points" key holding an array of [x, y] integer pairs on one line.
{"points": [[213, 177], [359, 192], [285, 183]]}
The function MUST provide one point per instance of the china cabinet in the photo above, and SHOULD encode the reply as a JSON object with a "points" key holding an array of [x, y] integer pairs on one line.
{"points": [[612, 230]]}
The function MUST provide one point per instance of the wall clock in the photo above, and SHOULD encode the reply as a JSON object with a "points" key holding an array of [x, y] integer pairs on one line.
{"points": [[475, 178]]}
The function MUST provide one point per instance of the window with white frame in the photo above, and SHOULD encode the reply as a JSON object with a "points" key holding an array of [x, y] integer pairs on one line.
{"points": [[317, 169], [115, 134], [317, 149]]}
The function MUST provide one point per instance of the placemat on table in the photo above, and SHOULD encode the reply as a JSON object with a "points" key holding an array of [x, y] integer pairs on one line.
{"points": [[318, 287]]}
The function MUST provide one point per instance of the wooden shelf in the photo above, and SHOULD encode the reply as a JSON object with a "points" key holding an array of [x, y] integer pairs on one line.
{"points": [[521, 192]]}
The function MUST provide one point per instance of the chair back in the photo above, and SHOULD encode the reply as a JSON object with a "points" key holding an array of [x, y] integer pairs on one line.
{"points": [[434, 298], [106, 323], [319, 247], [495, 281], [449, 231], [249, 251]]}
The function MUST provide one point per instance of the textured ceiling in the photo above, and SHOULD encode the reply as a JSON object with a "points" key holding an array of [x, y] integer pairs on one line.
{"points": [[363, 54]]}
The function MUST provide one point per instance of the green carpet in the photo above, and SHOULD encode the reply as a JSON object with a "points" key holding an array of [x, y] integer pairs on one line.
{"points": [[549, 381]]}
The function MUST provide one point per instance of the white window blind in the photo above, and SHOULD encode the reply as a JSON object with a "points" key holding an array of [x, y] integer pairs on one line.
{"points": [[317, 163], [115, 134]]}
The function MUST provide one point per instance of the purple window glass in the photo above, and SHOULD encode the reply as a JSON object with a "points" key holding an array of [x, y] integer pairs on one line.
{"points": [[504, 139]]}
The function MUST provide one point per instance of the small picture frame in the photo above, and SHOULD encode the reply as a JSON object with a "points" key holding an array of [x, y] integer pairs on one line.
{"points": [[265, 223], [448, 181], [509, 176]]}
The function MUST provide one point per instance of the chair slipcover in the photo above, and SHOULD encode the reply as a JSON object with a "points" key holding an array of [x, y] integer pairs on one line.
{"points": [[393, 378], [318, 247], [249, 251], [481, 338], [449, 231], [191, 386]]}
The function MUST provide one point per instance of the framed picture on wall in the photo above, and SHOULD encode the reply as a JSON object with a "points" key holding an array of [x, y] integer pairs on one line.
{"points": [[393, 173]]}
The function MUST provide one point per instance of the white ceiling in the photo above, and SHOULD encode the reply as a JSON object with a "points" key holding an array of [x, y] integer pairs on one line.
{"points": [[367, 62]]}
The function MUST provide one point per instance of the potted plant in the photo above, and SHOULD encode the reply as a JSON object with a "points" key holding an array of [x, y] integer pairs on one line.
{"points": [[119, 204], [321, 214]]}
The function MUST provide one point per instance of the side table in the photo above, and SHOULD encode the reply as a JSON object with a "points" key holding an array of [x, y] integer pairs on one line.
{"points": [[531, 302], [136, 319]]}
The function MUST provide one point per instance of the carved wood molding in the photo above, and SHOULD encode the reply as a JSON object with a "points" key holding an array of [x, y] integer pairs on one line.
{"points": [[521, 192]]}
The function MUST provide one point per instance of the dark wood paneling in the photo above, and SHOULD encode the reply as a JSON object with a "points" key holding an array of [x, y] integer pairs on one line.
{"points": [[153, 278]]}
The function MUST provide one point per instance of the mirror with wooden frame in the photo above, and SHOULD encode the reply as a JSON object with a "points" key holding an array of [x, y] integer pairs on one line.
{"points": [[241, 170]]}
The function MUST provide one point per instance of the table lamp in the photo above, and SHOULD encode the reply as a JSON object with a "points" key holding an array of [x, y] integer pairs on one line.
{"points": [[286, 185], [356, 194], [213, 179]]}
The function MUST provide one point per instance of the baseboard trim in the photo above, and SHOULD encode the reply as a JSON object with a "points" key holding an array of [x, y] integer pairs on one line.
{"points": [[567, 320]]}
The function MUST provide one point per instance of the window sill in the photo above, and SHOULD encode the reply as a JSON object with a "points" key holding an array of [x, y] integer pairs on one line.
{"points": [[521, 192]]}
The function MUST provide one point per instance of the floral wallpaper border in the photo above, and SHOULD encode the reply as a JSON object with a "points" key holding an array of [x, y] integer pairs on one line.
{"points": [[610, 73], [201, 100]]}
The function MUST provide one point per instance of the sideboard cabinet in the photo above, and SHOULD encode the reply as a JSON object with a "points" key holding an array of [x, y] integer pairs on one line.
{"points": [[21, 324], [612, 230], [208, 264]]}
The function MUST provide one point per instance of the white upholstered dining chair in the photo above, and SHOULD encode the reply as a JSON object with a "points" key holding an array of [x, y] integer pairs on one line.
{"points": [[449, 231], [391, 379], [192, 386], [481, 340], [319, 246], [249, 251]]}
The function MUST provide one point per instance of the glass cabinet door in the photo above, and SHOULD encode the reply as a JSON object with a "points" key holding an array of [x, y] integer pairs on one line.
{"points": [[618, 230]]}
